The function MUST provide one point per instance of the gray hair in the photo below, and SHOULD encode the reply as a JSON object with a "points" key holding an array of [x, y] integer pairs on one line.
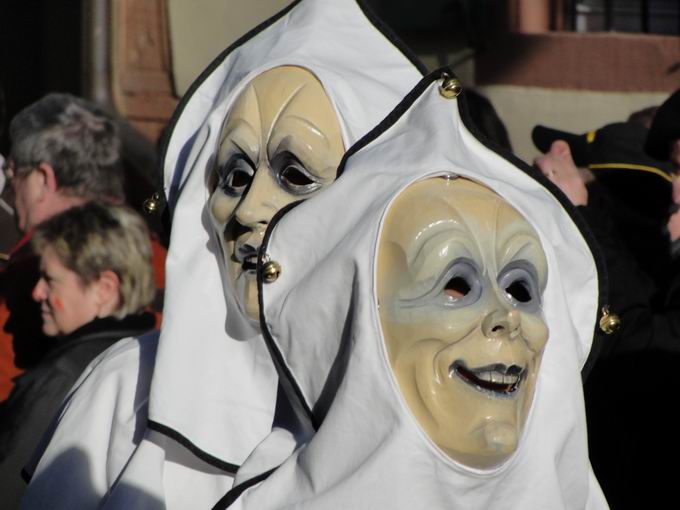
{"points": [[79, 140], [94, 238]]}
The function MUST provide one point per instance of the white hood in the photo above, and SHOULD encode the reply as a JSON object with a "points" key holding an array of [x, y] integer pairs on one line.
{"points": [[214, 385], [321, 322]]}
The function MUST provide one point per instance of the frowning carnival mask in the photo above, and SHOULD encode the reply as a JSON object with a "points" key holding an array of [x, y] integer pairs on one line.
{"points": [[280, 143], [460, 277]]}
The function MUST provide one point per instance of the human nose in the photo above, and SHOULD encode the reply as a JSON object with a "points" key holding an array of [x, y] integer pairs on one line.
{"points": [[39, 291], [257, 206], [501, 322]]}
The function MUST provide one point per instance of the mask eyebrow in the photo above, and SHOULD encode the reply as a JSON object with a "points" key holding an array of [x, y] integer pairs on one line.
{"points": [[245, 153], [517, 240], [517, 246], [303, 137], [243, 136], [436, 234], [439, 247], [314, 154]]}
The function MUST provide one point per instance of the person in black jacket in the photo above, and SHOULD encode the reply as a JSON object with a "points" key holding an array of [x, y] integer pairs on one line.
{"points": [[65, 151], [631, 188], [631, 374], [95, 281]]}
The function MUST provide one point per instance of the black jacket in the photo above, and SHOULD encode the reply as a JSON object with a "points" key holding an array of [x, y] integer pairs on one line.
{"points": [[630, 392], [38, 393]]}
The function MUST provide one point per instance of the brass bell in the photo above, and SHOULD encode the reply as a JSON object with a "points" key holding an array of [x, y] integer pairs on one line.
{"points": [[271, 271], [609, 322], [152, 204], [450, 87]]}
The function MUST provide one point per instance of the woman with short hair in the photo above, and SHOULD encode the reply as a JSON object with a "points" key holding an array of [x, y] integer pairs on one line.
{"points": [[107, 249], [96, 280]]}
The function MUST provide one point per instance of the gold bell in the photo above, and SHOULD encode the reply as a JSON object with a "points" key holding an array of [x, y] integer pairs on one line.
{"points": [[450, 87], [271, 271], [152, 203], [609, 322]]}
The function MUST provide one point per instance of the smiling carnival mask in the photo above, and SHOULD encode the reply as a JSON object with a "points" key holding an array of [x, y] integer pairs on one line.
{"points": [[460, 276], [280, 143]]}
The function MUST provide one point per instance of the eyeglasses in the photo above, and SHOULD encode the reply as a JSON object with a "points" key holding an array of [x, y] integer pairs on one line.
{"points": [[14, 173]]}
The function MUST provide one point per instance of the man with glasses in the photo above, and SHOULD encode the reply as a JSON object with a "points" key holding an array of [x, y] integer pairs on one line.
{"points": [[64, 152]]}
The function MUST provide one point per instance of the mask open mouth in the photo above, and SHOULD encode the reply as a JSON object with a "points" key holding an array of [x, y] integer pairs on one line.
{"points": [[249, 263], [247, 256], [497, 379]]}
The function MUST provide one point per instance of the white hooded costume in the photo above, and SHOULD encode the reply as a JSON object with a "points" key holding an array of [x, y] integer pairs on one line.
{"points": [[321, 320], [167, 423]]}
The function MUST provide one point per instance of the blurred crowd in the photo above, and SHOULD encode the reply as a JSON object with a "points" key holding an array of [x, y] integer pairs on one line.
{"points": [[77, 271], [623, 178]]}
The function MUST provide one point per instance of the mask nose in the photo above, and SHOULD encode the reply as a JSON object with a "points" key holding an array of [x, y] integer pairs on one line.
{"points": [[257, 207], [501, 323]]}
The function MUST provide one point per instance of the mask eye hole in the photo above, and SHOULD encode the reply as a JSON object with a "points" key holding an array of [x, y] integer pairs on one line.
{"points": [[519, 282], [295, 177], [235, 175], [292, 175], [457, 287], [519, 291], [239, 179]]}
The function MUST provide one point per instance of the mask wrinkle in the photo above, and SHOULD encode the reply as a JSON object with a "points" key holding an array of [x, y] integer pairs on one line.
{"points": [[247, 126], [280, 113]]}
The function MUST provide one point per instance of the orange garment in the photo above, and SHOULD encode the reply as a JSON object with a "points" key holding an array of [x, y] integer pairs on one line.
{"points": [[8, 368]]}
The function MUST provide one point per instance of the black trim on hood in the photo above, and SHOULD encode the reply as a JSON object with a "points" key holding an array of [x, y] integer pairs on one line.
{"points": [[234, 493], [205, 457], [286, 378], [392, 117]]}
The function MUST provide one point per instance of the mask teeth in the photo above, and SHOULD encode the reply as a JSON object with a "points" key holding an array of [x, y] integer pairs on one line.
{"points": [[495, 378], [250, 262]]}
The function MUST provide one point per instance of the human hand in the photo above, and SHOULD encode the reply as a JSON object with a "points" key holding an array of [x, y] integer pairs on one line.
{"points": [[558, 166]]}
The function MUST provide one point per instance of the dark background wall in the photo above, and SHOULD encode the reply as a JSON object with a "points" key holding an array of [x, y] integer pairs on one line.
{"points": [[40, 51]]}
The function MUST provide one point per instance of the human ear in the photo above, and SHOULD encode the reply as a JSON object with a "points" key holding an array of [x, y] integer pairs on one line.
{"points": [[107, 289], [48, 177]]}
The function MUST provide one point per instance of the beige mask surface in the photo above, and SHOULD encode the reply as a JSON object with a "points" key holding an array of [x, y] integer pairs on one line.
{"points": [[280, 143], [460, 276]]}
